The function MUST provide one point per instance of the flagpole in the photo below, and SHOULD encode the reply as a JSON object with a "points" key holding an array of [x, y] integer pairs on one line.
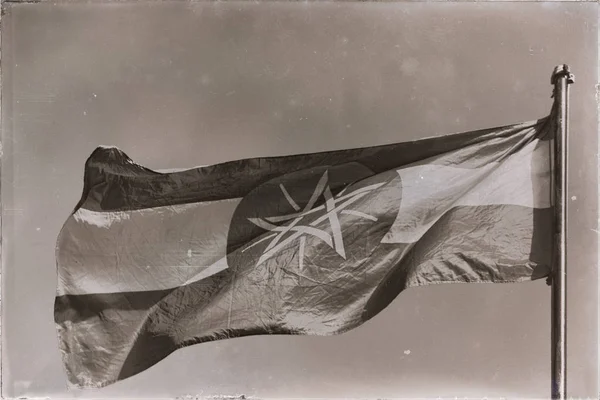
{"points": [[561, 78]]}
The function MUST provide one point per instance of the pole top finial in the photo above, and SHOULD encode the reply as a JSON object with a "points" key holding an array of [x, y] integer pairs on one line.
{"points": [[560, 71]]}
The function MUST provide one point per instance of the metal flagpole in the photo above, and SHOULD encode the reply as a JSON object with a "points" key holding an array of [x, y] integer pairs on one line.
{"points": [[561, 78]]}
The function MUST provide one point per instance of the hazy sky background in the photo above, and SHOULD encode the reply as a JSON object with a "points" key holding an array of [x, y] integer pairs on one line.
{"points": [[184, 84]]}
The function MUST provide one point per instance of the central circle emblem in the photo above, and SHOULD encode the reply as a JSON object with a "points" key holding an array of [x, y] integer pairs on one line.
{"points": [[313, 215]]}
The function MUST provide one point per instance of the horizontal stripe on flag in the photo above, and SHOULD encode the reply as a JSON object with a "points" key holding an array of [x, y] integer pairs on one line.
{"points": [[430, 189], [509, 237], [141, 250], [485, 244], [114, 182]]}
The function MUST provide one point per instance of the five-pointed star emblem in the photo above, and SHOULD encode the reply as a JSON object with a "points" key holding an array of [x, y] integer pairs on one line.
{"points": [[331, 209]]}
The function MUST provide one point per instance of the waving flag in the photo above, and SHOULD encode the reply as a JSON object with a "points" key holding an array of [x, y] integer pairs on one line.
{"points": [[311, 244]]}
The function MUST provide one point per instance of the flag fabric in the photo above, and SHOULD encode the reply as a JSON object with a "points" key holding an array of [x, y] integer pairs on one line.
{"points": [[312, 244]]}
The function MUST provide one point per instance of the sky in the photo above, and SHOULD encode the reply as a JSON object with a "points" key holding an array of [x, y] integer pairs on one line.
{"points": [[181, 84]]}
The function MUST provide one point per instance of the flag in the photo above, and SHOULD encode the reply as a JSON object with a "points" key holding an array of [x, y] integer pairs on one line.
{"points": [[310, 244]]}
